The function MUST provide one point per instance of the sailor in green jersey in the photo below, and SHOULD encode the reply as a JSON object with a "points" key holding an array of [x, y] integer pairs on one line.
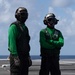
{"points": [[51, 41], [13, 34], [18, 44]]}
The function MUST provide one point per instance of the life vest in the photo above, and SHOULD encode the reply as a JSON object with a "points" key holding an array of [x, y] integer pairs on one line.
{"points": [[22, 41], [55, 35]]}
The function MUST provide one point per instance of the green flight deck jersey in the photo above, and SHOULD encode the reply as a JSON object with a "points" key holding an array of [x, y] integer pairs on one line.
{"points": [[13, 34], [51, 40]]}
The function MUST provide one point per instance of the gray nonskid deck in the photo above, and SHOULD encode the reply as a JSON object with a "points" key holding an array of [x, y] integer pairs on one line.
{"points": [[67, 67]]}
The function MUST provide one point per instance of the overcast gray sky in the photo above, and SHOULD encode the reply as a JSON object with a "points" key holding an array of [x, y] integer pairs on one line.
{"points": [[37, 9]]}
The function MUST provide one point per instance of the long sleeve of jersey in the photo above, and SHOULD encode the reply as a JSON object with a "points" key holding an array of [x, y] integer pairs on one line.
{"points": [[12, 34]]}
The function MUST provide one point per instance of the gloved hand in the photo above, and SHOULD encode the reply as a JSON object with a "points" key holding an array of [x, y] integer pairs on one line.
{"points": [[29, 61], [16, 61]]}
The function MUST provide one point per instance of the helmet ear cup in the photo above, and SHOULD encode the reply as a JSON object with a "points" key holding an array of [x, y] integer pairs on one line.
{"points": [[16, 15], [45, 22], [56, 21]]}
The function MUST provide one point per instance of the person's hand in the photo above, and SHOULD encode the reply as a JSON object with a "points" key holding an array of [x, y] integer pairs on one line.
{"points": [[16, 61], [29, 61]]}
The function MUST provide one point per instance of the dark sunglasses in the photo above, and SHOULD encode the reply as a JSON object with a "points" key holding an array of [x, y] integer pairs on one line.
{"points": [[51, 19]]}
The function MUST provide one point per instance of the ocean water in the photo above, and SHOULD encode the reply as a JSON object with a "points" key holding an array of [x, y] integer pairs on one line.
{"points": [[38, 57]]}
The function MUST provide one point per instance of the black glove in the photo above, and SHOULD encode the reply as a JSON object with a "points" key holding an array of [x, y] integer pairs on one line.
{"points": [[16, 61], [29, 61]]}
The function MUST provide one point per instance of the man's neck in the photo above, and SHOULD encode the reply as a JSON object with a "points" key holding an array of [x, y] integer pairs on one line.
{"points": [[50, 27]]}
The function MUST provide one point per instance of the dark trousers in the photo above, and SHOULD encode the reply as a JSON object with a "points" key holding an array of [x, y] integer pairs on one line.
{"points": [[50, 64], [22, 69]]}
